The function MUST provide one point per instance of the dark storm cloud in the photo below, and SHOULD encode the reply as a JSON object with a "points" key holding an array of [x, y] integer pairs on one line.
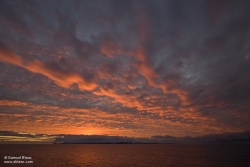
{"points": [[186, 62], [10, 16], [66, 35]]}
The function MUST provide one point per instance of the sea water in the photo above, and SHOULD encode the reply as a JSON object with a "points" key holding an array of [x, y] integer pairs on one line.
{"points": [[125, 155]]}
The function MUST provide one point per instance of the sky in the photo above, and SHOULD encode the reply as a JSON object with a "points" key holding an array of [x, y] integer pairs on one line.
{"points": [[131, 69]]}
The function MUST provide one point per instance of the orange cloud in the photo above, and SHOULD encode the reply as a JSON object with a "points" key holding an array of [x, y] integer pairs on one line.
{"points": [[148, 72], [60, 77], [12, 103], [126, 100], [7, 56], [110, 48], [144, 66], [61, 120]]}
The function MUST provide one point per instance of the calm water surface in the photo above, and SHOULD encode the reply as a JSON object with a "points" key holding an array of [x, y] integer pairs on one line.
{"points": [[123, 155]]}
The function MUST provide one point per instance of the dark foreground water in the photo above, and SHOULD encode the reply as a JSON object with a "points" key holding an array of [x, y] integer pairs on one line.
{"points": [[114, 155]]}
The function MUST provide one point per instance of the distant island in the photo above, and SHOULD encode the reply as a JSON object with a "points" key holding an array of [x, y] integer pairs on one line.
{"points": [[128, 142]]}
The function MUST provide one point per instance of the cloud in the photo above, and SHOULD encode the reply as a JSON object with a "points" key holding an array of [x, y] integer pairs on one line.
{"points": [[11, 19], [20, 137], [59, 76], [127, 100], [6, 102], [148, 67]]}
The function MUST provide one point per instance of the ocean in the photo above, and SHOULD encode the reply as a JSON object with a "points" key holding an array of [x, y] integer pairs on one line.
{"points": [[125, 155]]}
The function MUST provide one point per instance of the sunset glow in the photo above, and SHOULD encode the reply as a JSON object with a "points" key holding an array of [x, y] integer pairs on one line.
{"points": [[123, 68]]}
